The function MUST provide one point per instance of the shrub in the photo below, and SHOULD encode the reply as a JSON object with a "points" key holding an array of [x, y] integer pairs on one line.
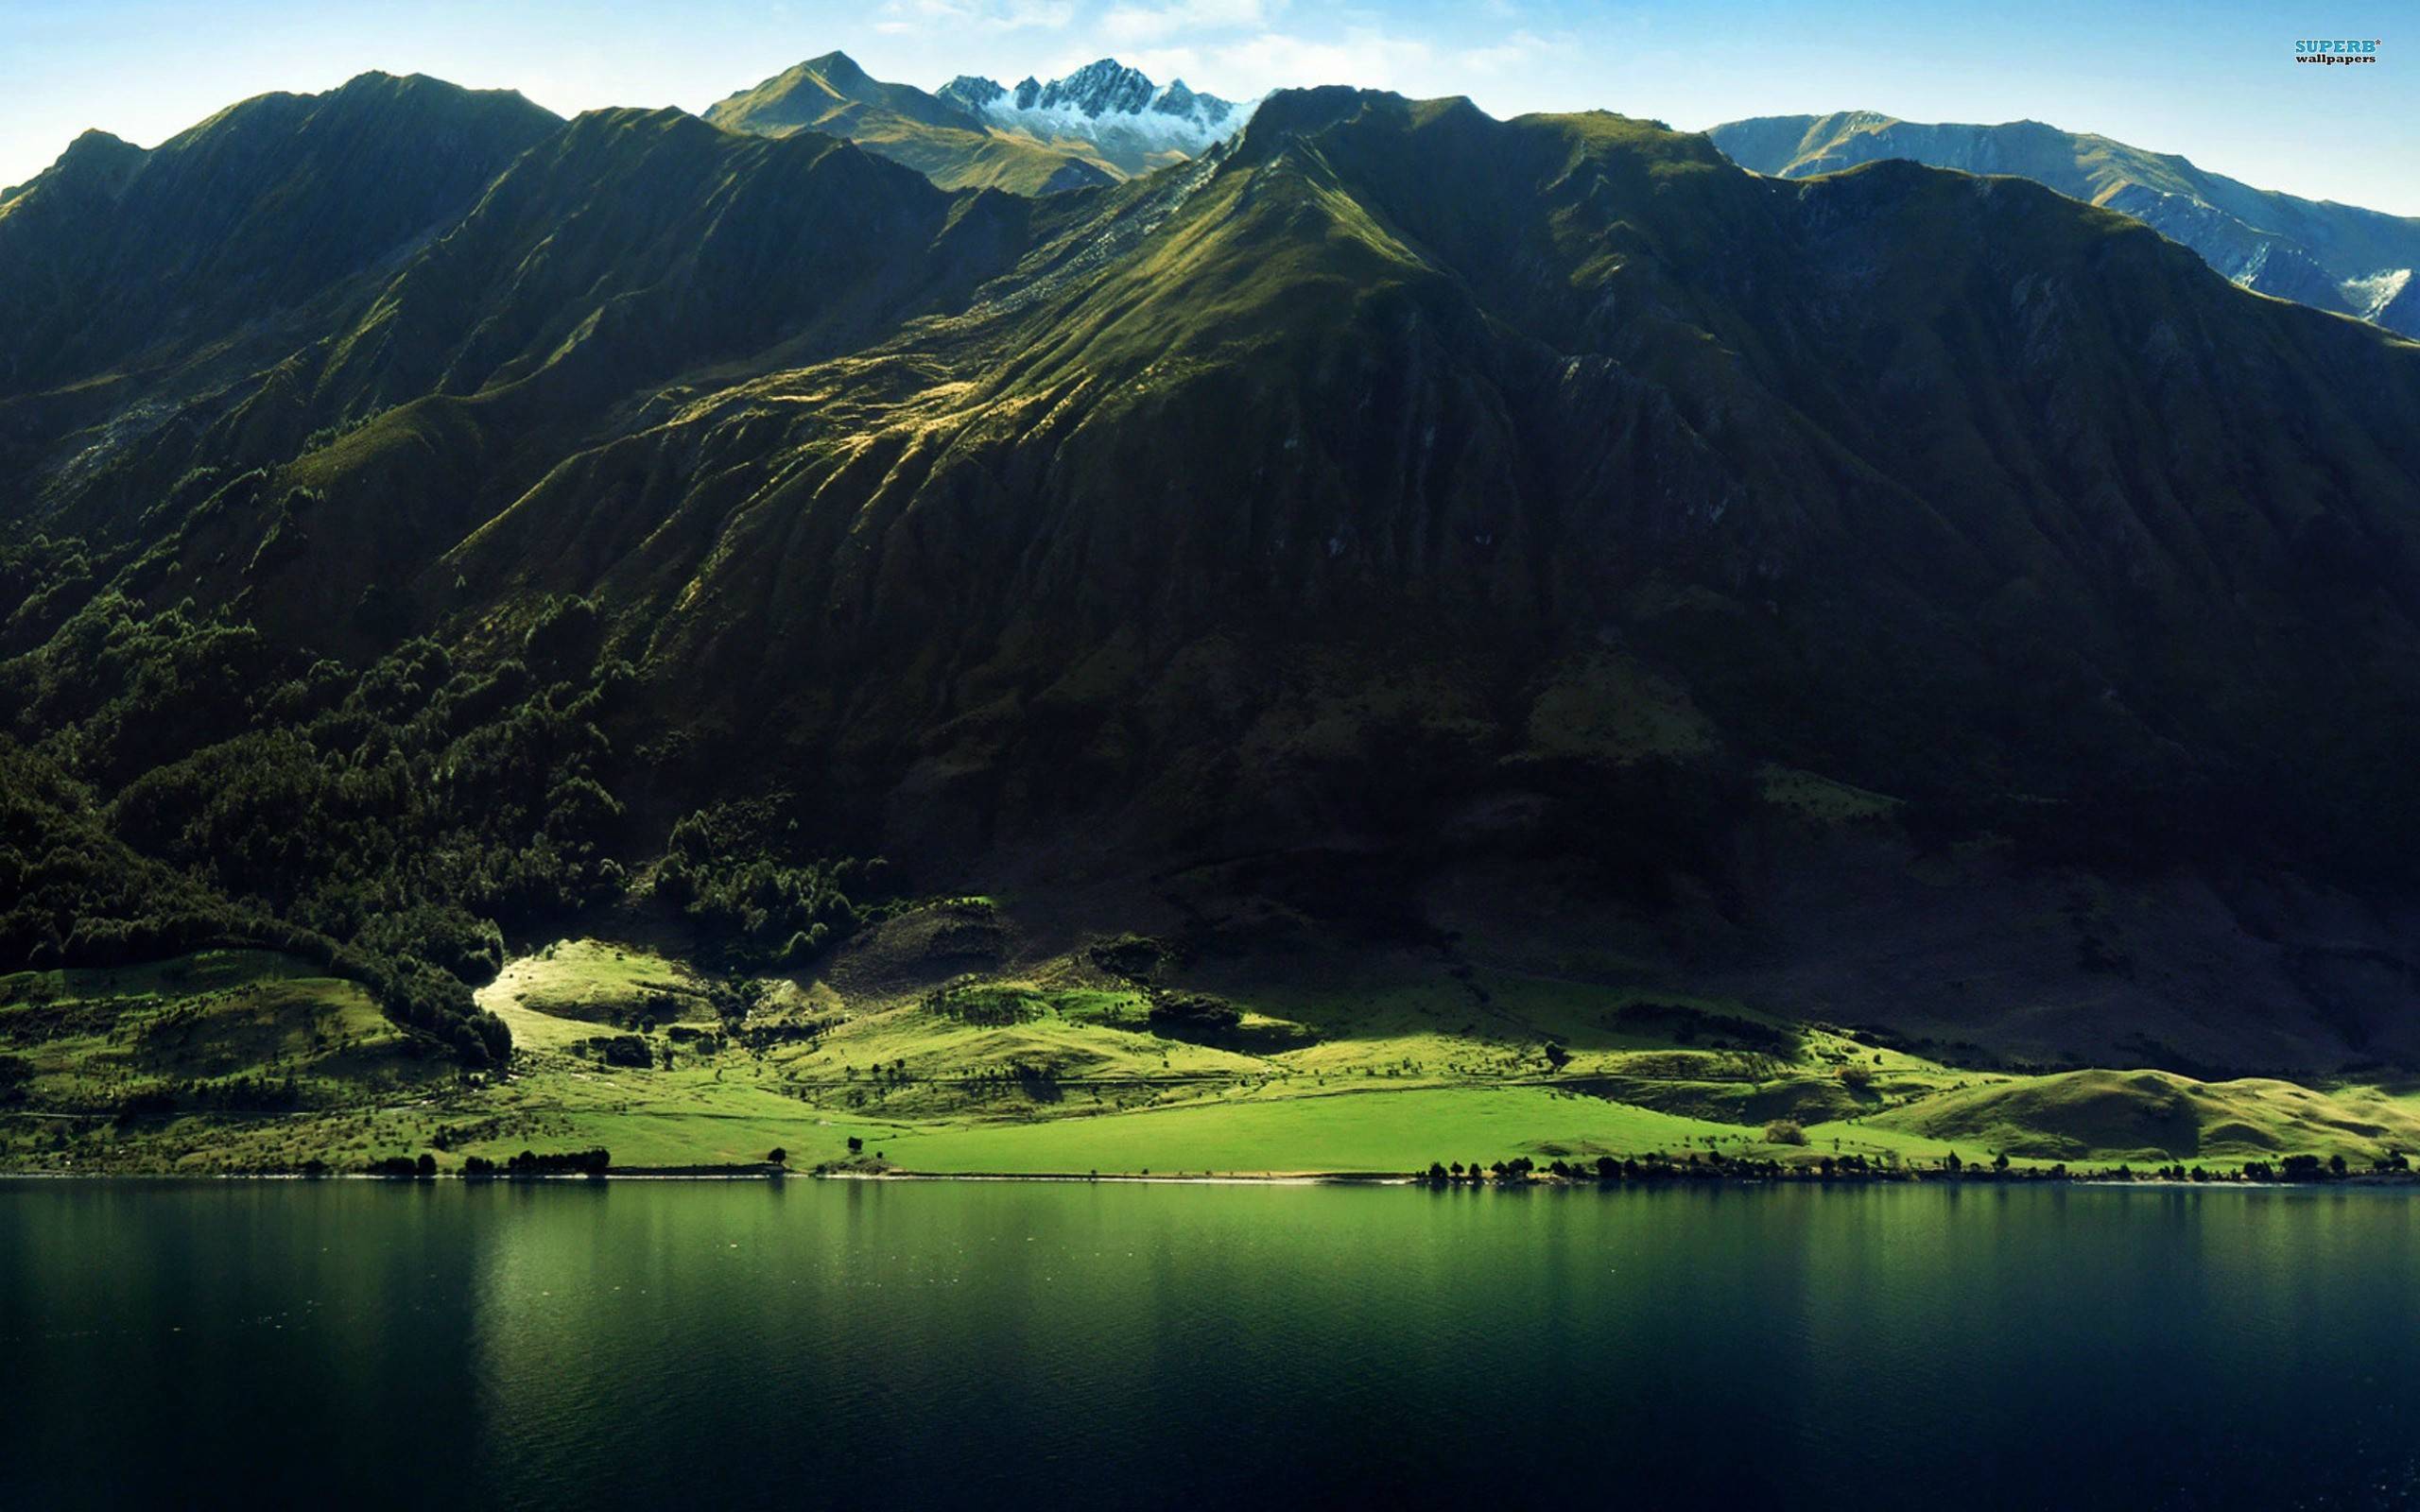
{"points": [[627, 1050], [1785, 1131], [982, 1004], [1135, 958], [1195, 1012]]}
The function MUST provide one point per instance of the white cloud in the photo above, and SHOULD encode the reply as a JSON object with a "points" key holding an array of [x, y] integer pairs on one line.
{"points": [[914, 17], [1164, 63], [1512, 52], [1130, 24], [1363, 55]]}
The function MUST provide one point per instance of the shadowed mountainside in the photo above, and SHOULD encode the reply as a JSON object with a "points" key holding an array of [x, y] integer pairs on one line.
{"points": [[1389, 498], [116, 255]]}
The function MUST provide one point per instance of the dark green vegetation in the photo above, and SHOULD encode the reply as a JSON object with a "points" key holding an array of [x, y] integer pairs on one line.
{"points": [[1524, 609], [2317, 252]]}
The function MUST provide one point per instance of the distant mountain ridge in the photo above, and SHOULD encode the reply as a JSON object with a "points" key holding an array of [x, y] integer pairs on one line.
{"points": [[252, 213], [938, 138], [1103, 123], [1134, 122], [2328, 255]]}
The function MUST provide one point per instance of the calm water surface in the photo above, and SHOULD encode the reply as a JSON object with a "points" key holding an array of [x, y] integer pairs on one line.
{"points": [[678, 1345]]}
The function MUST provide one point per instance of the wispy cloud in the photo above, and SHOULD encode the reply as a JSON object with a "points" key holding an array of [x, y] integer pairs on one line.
{"points": [[1164, 63], [900, 17], [1130, 25], [1520, 48], [1366, 56]]}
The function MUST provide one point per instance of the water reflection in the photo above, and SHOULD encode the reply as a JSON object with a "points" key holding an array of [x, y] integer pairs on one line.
{"points": [[1018, 1344]]}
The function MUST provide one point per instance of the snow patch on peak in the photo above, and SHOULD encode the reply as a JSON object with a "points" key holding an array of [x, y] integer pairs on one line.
{"points": [[1107, 103], [2370, 296]]}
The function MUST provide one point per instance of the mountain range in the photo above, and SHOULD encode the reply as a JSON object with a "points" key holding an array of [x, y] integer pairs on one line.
{"points": [[1381, 522], [2330, 256], [1102, 123]]}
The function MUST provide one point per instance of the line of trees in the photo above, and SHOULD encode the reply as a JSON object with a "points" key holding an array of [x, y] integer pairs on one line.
{"points": [[1714, 1166], [479, 1168]]}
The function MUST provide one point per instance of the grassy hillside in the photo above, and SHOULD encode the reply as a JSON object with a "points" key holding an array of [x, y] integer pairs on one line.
{"points": [[938, 138], [2158, 1116], [233, 1060], [245, 1050], [1472, 589]]}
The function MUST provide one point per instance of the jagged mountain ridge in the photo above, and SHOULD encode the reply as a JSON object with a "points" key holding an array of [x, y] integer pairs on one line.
{"points": [[1392, 476], [1135, 123], [1101, 124], [2331, 256], [938, 136]]}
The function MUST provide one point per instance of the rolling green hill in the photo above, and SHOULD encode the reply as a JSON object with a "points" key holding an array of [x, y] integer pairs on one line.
{"points": [[1502, 552]]}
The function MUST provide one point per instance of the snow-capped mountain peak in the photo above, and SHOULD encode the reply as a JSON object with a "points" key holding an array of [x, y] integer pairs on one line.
{"points": [[1116, 108]]}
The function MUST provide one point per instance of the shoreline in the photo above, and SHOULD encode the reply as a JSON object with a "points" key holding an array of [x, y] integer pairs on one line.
{"points": [[2367, 1181]]}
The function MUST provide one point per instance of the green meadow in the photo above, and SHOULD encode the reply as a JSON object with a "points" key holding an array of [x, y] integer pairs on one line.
{"points": [[240, 1061]]}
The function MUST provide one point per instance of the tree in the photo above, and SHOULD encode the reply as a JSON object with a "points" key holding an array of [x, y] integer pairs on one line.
{"points": [[428, 1166], [856, 1146], [777, 1155], [1785, 1131]]}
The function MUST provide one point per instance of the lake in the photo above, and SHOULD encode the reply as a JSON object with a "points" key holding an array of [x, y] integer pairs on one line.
{"points": [[863, 1345]]}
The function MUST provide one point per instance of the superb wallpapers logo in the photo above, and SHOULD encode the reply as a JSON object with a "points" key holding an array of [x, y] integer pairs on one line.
{"points": [[2336, 50]]}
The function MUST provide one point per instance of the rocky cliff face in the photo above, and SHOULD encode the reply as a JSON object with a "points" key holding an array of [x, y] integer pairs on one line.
{"points": [[1136, 124]]}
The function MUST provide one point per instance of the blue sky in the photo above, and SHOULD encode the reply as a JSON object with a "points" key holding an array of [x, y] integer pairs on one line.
{"points": [[2212, 79]]}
